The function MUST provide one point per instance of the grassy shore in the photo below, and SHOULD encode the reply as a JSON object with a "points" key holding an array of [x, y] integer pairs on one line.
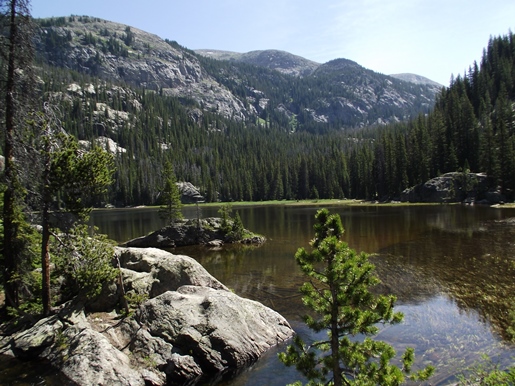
{"points": [[335, 202], [321, 203]]}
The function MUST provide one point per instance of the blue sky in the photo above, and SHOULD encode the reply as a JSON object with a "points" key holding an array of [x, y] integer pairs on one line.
{"points": [[432, 38]]}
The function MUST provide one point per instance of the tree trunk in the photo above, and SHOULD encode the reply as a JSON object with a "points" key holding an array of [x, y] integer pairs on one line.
{"points": [[11, 262], [45, 261], [335, 342]]}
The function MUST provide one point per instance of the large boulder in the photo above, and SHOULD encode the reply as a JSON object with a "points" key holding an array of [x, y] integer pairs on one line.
{"points": [[190, 194], [154, 271], [88, 358], [181, 233], [67, 342], [219, 330], [148, 272], [191, 329], [454, 187]]}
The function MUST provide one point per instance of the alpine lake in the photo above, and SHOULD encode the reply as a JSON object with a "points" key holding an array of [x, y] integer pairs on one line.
{"points": [[451, 267]]}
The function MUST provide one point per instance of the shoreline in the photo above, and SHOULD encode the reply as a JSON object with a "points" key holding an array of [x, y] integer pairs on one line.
{"points": [[321, 202]]}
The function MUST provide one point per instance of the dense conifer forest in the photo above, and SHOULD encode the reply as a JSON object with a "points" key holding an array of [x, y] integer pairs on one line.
{"points": [[275, 157]]}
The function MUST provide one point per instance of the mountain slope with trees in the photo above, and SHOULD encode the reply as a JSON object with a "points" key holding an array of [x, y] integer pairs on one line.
{"points": [[247, 89], [278, 136], [471, 128], [281, 61]]}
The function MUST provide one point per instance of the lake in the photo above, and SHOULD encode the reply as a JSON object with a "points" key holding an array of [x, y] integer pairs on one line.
{"points": [[450, 266]]}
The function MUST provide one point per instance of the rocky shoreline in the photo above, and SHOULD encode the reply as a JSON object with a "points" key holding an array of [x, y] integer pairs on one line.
{"points": [[184, 328]]}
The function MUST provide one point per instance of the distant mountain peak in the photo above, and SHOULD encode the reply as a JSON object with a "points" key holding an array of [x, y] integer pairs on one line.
{"points": [[417, 79], [281, 61]]}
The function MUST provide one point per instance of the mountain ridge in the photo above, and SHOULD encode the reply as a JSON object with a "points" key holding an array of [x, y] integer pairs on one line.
{"points": [[240, 131], [301, 66], [282, 61], [294, 87]]}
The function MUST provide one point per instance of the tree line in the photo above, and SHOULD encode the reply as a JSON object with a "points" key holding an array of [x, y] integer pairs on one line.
{"points": [[470, 128], [277, 156], [48, 180]]}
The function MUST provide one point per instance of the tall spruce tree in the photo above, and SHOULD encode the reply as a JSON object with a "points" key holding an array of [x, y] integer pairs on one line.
{"points": [[339, 294], [16, 57], [170, 209]]}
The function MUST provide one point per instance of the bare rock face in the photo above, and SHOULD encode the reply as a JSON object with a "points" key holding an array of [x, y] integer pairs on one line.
{"points": [[190, 194], [154, 271], [88, 358], [217, 328], [455, 187], [191, 330], [137, 58]]}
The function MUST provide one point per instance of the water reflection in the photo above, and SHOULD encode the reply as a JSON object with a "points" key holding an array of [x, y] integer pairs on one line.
{"points": [[451, 268]]}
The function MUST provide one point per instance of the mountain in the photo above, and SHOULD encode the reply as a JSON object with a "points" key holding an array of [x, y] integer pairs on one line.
{"points": [[295, 92], [120, 53], [281, 61], [243, 131], [417, 79], [290, 64]]}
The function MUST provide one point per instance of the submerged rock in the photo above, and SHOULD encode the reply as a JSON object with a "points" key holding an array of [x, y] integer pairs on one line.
{"points": [[191, 329]]}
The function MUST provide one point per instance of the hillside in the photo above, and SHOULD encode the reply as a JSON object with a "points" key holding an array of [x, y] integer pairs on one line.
{"points": [[242, 131], [261, 84], [290, 64]]}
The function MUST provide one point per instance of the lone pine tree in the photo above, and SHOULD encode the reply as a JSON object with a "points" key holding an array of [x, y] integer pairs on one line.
{"points": [[170, 209], [339, 294]]}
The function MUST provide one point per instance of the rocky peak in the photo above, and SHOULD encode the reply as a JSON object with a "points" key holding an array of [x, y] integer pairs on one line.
{"points": [[118, 52], [417, 79], [281, 61], [340, 91]]}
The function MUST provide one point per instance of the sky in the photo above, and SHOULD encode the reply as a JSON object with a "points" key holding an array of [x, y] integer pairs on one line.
{"points": [[432, 38]]}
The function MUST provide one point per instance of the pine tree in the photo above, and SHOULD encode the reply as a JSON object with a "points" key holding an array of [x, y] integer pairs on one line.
{"points": [[338, 292], [16, 52], [69, 178], [170, 210]]}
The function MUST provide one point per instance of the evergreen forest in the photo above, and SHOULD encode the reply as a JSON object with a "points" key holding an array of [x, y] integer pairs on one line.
{"points": [[275, 157]]}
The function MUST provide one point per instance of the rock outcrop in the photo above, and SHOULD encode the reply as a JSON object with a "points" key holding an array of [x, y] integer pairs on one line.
{"points": [[190, 194], [190, 232], [455, 187], [281, 61], [191, 329], [117, 52]]}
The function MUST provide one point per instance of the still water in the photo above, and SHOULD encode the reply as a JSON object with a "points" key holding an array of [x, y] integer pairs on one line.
{"points": [[451, 268]]}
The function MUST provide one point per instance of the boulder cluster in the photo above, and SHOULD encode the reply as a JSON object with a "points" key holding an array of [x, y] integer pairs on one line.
{"points": [[184, 327]]}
